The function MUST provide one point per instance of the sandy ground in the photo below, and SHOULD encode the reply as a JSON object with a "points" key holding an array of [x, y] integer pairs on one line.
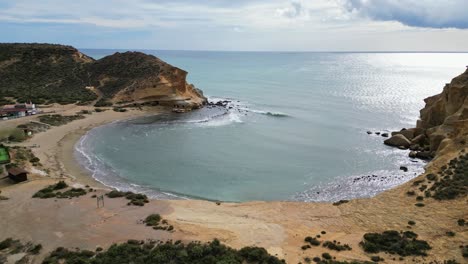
{"points": [[280, 227], [55, 147]]}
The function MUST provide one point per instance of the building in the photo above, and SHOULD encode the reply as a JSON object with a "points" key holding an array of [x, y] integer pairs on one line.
{"points": [[18, 110], [17, 174]]}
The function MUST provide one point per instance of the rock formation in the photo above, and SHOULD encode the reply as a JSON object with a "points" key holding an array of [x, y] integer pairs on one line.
{"points": [[443, 121], [51, 73]]}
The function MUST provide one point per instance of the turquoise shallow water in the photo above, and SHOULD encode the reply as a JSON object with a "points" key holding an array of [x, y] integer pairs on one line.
{"points": [[296, 129]]}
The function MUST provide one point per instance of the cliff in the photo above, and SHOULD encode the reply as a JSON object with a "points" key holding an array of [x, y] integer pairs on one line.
{"points": [[51, 73], [445, 116], [443, 121]]}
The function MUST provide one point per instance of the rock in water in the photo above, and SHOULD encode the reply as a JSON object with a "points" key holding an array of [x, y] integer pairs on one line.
{"points": [[404, 168], [398, 141], [408, 133]]}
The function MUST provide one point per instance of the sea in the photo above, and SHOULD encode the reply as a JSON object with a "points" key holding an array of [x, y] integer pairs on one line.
{"points": [[295, 127]]}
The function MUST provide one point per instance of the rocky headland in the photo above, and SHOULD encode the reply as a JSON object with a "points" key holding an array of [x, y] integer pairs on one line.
{"points": [[47, 73]]}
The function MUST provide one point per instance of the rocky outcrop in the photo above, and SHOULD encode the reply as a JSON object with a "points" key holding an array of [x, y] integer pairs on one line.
{"points": [[398, 140], [443, 120], [48, 73], [140, 78]]}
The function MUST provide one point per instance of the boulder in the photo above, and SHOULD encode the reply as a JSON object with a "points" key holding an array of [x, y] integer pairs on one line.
{"points": [[384, 135], [409, 134], [414, 147], [404, 168], [369, 132], [424, 155], [417, 131], [419, 140], [398, 141], [412, 154]]}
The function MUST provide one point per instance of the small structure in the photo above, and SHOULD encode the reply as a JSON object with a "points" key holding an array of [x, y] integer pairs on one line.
{"points": [[18, 110], [17, 174]]}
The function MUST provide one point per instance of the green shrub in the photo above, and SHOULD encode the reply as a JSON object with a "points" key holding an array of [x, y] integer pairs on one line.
{"points": [[376, 258], [36, 249], [138, 252], [464, 251], [17, 135], [312, 240], [326, 256], [58, 120], [450, 233], [152, 220], [453, 182], [461, 222], [103, 103], [135, 198], [34, 160], [336, 246], [6, 243], [393, 242]]}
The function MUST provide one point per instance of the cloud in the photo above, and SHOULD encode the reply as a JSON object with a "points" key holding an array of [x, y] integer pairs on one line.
{"points": [[415, 13], [294, 10]]}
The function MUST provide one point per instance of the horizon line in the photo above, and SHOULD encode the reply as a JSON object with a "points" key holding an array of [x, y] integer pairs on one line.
{"points": [[278, 51]]}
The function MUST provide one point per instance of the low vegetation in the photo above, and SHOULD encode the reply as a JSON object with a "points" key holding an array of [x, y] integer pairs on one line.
{"points": [[156, 221], [11, 246], [53, 191], [137, 199], [394, 242], [58, 120], [464, 250], [22, 155], [334, 245], [312, 241], [340, 202], [140, 252], [452, 181]]}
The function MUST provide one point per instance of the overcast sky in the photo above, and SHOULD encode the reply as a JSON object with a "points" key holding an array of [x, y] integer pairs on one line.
{"points": [[267, 25]]}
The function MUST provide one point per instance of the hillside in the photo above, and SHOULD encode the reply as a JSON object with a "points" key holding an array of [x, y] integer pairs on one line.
{"points": [[48, 73]]}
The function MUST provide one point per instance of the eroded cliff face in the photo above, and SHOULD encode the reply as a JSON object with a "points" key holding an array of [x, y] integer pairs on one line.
{"points": [[445, 116], [139, 78], [443, 122]]}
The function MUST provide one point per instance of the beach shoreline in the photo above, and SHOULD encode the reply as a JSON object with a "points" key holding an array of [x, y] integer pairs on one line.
{"points": [[279, 227], [55, 147]]}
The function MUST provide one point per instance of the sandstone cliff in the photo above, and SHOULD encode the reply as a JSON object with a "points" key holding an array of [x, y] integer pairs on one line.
{"points": [[443, 122], [48, 73], [445, 116]]}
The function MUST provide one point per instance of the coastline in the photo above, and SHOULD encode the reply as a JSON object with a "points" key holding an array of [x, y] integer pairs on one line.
{"points": [[56, 146], [279, 227]]}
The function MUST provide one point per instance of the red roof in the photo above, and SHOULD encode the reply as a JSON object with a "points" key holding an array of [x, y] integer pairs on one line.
{"points": [[16, 171]]}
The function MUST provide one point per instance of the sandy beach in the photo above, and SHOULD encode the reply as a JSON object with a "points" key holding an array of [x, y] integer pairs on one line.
{"points": [[280, 227], [55, 147]]}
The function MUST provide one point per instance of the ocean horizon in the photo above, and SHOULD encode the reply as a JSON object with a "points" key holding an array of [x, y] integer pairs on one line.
{"points": [[294, 128]]}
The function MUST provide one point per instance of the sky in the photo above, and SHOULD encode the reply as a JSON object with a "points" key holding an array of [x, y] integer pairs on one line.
{"points": [[240, 25]]}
